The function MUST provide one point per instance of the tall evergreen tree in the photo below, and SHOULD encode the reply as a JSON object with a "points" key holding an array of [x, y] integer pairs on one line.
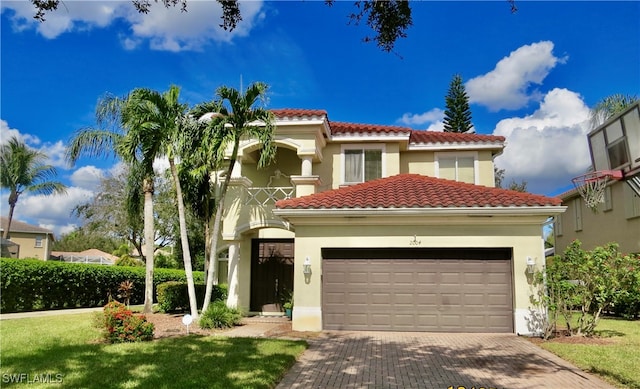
{"points": [[457, 116]]}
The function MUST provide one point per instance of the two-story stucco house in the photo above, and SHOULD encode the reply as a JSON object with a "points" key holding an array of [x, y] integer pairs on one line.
{"points": [[31, 241], [381, 228], [617, 220]]}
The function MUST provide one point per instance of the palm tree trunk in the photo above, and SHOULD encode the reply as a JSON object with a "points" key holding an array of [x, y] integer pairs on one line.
{"points": [[13, 199], [184, 240], [149, 238], [217, 224]]}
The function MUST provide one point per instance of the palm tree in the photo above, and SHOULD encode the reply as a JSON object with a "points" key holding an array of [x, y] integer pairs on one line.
{"points": [[24, 170], [152, 122], [236, 117], [610, 106]]}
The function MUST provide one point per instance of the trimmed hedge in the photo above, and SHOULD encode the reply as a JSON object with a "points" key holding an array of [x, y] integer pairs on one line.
{"points": [[29, 285], [173, 295]]}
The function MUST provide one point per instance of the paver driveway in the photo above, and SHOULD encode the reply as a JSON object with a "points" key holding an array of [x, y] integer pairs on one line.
{"points": [[430, 360]]}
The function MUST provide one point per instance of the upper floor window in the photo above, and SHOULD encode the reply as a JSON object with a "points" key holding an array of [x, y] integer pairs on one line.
{"points": [[38, 241], [457, 167], [362, 164], [631, 202]]}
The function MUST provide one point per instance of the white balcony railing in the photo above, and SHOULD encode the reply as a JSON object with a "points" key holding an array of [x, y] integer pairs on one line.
{"points": [[269, 195]]}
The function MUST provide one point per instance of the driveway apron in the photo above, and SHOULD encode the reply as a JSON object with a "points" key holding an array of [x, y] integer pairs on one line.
{"points": [[432, 360]]}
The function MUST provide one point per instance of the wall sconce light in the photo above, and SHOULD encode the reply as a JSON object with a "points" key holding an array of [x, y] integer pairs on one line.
{"points": [[306, 266], [531, 265]]}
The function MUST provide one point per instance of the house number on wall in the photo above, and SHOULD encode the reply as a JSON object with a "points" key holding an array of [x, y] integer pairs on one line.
{"points": [[415, 241]]}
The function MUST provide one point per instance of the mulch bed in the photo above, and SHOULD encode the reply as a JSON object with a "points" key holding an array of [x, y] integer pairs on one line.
{"points": [[170, 325], [565, 337]]}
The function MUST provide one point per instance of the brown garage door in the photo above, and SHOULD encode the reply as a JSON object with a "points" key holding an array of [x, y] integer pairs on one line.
{"points": [[440, 290]]}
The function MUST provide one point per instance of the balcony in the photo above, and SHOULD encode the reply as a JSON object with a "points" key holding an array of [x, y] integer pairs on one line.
{"points": [[267, 196]]}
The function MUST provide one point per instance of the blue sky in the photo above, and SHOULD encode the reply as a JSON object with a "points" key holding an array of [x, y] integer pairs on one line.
{"points": [[530, 76]]}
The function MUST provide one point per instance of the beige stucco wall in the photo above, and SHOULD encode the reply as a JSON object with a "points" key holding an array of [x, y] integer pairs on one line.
{"points": [[418, 162], [599, 228], [487, 174], [522, 234], [27, 243]]}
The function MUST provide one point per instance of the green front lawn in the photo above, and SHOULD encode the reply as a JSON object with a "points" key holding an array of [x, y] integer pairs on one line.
{"points": [[614, 354], [66, 350]]}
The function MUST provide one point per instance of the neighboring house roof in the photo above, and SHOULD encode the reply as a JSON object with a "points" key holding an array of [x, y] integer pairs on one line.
{"points": [[18, 226], [416, 191], [87, 253]]}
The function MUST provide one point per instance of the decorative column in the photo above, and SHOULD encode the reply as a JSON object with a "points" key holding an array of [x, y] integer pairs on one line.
{"points": [[232, 275], [237, 168], [234, 212], [307, 166], [306, 183]]}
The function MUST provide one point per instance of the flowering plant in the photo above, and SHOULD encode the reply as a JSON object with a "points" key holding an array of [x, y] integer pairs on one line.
{"points": [[122, 325]]}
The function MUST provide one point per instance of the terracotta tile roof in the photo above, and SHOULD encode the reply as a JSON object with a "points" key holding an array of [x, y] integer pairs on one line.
{"points": [[416, 191], [452, 137], [296, 113], [415, 136], [356, 128]]}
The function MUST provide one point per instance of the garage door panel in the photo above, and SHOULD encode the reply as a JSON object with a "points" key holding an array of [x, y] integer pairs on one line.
{"points": [[403, 278], [451, 278], [474, 300], [427, 278], [404, 299], [498, 300], [381, 299], [356, 278], [380, 278], [469, 295]]}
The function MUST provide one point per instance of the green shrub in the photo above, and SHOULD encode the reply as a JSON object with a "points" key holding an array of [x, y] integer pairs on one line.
{"points": [[126, 260], [627, 303], [122, 325], [28, 285], [174, 296], [218, 315]]}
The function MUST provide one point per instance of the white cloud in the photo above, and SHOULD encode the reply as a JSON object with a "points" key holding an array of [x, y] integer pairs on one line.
{"points": [[7, 133], [164, 28], [548, 147], [508, 85], [433, 117], [87, 177], [53, 211], [70, 16], [54, 151]]}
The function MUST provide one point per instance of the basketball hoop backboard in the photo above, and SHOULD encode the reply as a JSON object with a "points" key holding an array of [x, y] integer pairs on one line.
{"points": [[615, 146]]}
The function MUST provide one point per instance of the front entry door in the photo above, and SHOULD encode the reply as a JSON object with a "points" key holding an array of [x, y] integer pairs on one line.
{"points": [[271, 273]]}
